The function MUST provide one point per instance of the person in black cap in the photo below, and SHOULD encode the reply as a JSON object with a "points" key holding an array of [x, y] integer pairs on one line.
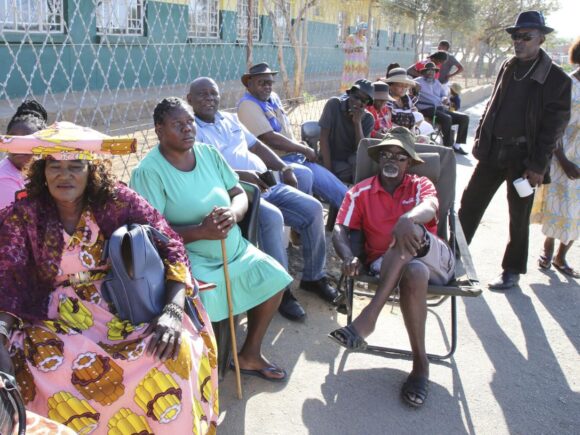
{"points": [[517, 134], [343, 123]]}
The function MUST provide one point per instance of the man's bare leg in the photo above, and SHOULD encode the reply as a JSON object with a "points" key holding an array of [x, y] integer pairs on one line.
{"points": [[394, 261], [413, 286]]}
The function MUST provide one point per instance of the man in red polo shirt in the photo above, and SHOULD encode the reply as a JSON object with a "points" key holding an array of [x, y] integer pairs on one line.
{"points": [[397, 213]]}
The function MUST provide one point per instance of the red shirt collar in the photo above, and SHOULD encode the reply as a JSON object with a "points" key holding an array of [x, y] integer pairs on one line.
{"points": [[376, 185]]}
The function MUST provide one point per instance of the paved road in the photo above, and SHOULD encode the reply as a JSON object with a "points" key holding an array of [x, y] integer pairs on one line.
{"points": [[517, 369]]}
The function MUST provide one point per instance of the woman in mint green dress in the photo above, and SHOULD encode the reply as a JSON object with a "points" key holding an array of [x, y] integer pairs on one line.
{"points": [[198, 193]]}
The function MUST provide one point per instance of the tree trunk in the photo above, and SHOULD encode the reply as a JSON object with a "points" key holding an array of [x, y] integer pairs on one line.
{"points": [[250, 35]]}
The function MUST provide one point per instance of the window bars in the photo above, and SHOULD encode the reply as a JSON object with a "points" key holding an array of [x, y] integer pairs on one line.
{"points": [[243, 20], [120, 17], [31, 16], [204, 19]]}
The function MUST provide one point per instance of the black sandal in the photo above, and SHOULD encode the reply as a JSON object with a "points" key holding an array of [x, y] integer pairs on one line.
{"points": [[415, 390], [544, 262], [348, 337], [566, 270]]}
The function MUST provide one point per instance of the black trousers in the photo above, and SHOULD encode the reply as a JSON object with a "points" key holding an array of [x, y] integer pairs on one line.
{"points": [[484, 182], [446, 119]]}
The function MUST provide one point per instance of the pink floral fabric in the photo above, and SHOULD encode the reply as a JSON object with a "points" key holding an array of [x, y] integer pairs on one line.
{"points": [[85, 368]]}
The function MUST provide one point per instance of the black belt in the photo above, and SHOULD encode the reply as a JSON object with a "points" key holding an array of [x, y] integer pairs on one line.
{"points": [[509, 141]]}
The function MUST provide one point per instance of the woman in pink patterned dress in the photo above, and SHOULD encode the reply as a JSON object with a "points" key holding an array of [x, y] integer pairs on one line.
{"points": [[75, 361]]}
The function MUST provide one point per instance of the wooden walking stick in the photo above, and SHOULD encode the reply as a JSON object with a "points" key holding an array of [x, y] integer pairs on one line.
{"points": [[231, 318]]}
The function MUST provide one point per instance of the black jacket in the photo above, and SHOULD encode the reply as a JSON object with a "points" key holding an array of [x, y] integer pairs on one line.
{"points": [[547, 112]]}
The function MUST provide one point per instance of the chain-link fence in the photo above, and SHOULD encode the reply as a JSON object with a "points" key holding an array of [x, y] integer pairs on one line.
{"points": [[105, 63]]}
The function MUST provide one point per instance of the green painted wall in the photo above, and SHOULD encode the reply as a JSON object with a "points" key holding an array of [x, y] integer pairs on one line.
{"points": [[81, 60]]}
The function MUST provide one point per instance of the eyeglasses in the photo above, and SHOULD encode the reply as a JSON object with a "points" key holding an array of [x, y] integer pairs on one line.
{"points": [[363, 99], [387, 155], [523, 36]]}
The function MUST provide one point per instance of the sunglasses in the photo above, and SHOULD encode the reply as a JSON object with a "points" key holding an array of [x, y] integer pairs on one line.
{"points": [[363, 99], [387, 155], [523, 36]]}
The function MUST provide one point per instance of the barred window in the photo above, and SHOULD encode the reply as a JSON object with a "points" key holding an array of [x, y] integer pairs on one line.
{"points": [[203, 19], [120, 17], [243, 12], [33, 16]]}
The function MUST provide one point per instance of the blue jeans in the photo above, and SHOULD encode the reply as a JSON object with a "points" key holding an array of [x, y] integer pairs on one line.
{"points": [[284, 205], [324, 183]]}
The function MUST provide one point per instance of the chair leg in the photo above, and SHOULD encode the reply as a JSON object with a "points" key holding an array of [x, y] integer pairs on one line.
{"points": [[349, 287], [222, 335], [389, 352]]}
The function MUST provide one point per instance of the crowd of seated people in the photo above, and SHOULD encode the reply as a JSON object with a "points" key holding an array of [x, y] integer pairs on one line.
{"points": [[62, 211]]}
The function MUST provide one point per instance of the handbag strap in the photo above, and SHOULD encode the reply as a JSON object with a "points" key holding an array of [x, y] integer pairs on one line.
{"points": [[114, 251]]}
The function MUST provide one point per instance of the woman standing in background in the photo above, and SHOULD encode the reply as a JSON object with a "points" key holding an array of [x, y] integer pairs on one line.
{"points": [[557, 205], [355, 59]]}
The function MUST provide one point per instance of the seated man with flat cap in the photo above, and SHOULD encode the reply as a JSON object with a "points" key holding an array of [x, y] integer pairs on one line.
{"points": [[343, 123], [397, 212], [262, 113]]}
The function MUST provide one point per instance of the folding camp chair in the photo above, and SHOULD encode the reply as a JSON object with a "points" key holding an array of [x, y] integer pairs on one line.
{"points": [[440, 168], [249, 227]]}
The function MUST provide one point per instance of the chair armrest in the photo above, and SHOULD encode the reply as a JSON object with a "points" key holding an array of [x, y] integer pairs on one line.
{"points": [[249, 224]]}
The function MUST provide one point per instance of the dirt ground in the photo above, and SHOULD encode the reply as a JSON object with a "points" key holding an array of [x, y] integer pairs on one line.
{"points": [[516, 370]]}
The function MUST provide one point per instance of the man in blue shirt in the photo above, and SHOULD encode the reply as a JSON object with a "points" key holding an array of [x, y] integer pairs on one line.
{"points": [[432, 96], [280, 204]]}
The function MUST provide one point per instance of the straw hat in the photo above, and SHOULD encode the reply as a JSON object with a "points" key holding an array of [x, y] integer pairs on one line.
{"points": [[399, 75], [456, 87]]}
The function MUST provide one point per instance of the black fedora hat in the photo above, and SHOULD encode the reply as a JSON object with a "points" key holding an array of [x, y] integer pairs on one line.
{"points": [[530, 20], [256, 70], [365, 86]]}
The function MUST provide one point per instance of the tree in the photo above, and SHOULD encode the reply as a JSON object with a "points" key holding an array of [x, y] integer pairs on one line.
{"points": [[425, 14], [297, 32]]}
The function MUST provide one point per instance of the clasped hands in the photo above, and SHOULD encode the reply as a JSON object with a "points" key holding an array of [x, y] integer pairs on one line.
{"points": [[218, 223]]}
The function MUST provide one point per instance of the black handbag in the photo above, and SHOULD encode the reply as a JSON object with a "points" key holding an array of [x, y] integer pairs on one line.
{"points": [[12, 410], [135, 285]]}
